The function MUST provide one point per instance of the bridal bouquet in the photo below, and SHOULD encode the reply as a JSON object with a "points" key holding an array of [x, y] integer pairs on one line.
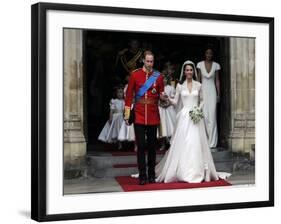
{"points": [[196, 114]]}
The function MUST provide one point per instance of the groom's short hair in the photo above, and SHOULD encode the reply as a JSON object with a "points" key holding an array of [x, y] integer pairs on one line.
{"points": [[147, 53]]}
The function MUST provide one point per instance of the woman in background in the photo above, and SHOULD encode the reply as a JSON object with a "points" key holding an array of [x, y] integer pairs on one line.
{"points": [[127, 132], [167, 114], [208, 72]]}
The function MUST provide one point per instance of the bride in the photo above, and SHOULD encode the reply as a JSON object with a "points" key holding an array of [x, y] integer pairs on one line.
{"points": [[189, 158]]}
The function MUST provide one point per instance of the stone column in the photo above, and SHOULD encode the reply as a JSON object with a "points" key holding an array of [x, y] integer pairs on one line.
{"points": [[74, 136], [242, 87]]}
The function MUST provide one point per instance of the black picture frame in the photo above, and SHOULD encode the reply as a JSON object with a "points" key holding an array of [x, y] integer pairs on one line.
{"points": [[39, 114]]}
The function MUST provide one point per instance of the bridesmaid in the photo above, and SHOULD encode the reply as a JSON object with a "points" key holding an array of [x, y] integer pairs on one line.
{"points": [[208, 72]]}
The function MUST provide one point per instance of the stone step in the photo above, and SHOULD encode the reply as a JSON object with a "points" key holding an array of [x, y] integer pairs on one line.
{"points": [[224, 155], [109, 161], [225, 166], [103, 160], [113, 172], [127, 171], [102, 164]]}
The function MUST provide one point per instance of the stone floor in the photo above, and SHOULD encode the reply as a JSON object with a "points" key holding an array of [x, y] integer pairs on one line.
{"points": [[101, 171], [109, 184], [91, 185]]}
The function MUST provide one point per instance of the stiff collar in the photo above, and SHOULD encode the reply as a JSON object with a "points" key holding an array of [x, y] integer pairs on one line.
{"points": [[144, 70]]}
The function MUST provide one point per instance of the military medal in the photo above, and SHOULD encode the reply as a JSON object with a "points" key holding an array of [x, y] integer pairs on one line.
{"points": [[154, 89]]}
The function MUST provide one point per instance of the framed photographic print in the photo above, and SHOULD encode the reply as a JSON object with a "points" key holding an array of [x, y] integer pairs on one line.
{"points": [[87, 64]]}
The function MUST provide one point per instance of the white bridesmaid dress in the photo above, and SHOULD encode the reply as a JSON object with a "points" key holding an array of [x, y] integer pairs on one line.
{"points": [[167, 115], [111, 129], [210, 100], [127, 132]]}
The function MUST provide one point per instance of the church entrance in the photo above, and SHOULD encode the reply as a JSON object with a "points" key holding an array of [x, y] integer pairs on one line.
{"points": [[107, 60]]}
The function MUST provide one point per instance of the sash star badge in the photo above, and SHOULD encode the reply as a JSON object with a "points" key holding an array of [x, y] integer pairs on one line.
{"points": [[153, 91]]}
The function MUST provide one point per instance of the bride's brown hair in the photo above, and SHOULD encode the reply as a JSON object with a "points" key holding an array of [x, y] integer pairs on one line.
{"points": [[184, 77]]}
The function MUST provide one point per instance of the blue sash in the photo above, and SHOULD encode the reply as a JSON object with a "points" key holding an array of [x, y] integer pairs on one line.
{"points": [[143, 89]]}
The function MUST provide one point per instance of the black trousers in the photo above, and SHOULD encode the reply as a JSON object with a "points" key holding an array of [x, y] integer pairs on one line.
{"points": [[146, 139]]}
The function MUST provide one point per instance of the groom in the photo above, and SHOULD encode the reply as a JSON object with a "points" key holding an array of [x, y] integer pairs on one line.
{"points": [[147, 87]]}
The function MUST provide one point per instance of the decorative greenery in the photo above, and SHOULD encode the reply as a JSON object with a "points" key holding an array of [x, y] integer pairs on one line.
{"points": [[196, 114]]}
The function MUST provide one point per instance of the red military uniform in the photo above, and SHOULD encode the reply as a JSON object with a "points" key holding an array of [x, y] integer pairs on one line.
{"points": [[146, 108]]}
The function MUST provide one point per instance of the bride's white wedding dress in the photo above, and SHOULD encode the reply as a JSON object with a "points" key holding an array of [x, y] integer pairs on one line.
{"points": [[189, 157]]}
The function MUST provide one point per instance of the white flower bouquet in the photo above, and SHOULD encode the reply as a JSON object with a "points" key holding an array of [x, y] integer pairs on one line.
{"points": [[196, 114]]}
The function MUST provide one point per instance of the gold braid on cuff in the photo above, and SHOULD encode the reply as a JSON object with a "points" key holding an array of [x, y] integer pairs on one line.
{"points": [[127, 113]]}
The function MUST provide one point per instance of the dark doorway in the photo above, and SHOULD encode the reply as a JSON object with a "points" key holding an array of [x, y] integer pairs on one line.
{"points": [[102, 73]]}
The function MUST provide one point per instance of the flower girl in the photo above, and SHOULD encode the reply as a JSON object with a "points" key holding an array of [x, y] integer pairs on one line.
{"points": [[127, 132], [167, 114], [112, 127]]}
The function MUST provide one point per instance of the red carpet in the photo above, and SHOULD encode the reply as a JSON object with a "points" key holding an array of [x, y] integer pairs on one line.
{"points": [[131, 184]]}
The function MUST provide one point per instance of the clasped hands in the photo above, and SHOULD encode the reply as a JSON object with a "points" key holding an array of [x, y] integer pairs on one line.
{"points": [[164, 97]]}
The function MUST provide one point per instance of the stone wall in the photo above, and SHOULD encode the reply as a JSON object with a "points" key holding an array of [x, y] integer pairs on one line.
{"points": [[74, 137], [242, 94]]}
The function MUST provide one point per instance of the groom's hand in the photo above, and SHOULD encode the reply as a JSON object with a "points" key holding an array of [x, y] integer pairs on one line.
{"points": [[127, 122], [163, 97]]}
